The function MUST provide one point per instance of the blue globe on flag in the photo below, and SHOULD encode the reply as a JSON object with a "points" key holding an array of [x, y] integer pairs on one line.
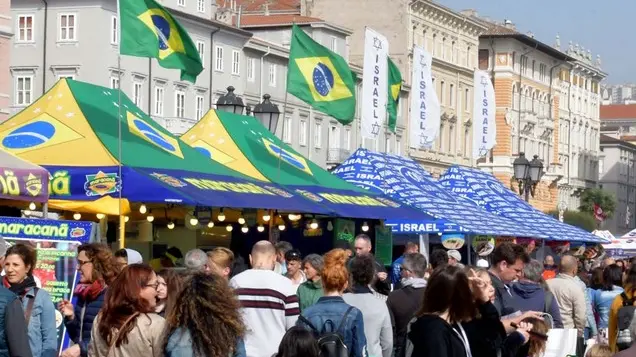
{"points": [[323, 79], [162, 27]]}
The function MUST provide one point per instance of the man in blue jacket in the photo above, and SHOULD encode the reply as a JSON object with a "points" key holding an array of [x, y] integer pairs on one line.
{"points": [[396, 276], [528, 294]]}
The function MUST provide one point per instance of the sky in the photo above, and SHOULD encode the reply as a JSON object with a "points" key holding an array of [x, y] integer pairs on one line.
{"points": [[604, 27]]}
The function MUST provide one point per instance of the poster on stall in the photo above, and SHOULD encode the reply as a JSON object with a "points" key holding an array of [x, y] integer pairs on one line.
{"points": [[344, 229], [384, 245], [56, 244]]}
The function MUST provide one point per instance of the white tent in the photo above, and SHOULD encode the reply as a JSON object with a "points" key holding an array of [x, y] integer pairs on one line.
{"points": [[622, 247]]}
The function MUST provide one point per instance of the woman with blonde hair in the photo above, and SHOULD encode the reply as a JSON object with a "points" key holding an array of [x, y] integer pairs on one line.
{"points": [[331, 312], [599, 350], [220, 261]]}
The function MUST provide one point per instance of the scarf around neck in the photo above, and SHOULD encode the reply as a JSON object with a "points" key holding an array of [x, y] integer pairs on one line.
{"points": [[21, 288], [90, 292]]}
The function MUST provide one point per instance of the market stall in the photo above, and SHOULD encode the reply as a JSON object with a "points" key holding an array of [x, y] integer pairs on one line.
{"points": [[22, 180]]}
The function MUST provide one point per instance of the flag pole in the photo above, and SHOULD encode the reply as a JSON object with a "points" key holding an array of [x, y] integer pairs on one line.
{"points": [[122, 220]]}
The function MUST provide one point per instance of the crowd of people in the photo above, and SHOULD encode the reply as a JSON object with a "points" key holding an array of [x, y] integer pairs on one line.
{"points": [[342, 303]]}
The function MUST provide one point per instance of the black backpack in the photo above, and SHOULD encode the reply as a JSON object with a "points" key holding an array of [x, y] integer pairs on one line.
{"points": [[330, 341], [624, 318]]}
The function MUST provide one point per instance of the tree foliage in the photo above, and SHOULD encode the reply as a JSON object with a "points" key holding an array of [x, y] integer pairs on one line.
{"points": [[592, 196], [582, 220]]}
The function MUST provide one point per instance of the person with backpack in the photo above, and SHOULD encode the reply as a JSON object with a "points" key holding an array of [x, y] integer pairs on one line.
{"points": [[621, 314], [531, 293], [603, 297], [39, 311], [338, 326]]}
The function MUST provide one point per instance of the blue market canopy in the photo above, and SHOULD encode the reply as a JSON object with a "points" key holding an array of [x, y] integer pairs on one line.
{"points": [[483, 190], [406, 181]]}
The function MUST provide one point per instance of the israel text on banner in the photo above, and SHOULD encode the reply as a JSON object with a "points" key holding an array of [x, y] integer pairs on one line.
{"points": [[149, 30], [374, 84], [484, 107], [425, 108], [320, 77], [395, 87]]}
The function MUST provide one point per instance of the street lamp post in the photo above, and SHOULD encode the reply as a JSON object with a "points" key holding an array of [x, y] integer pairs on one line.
{"points": [[267, 113], [562, 207], [230, 102], [528, 174]]}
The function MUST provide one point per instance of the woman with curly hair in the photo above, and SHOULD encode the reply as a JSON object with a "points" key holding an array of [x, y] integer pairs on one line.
{"points": [[96, 267], [205, 321], [170, 284], [127, 324]]}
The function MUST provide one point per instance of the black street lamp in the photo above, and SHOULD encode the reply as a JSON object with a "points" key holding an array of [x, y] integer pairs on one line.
{"points": [[230, 102], [267, 113], [528, 174]]}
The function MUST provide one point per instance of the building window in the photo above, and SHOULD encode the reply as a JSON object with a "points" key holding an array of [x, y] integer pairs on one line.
{"points": [[451, 95], [179, 101], [347, 139], [236, 63], [200, 102], [181, 2], [287, 129], [398, 146], [158, 107], [483, 59], [24, 90], [201, 50], [442, 90], [251, 69], [524, 65], [387, 144], [65, 76], [318, 135], [218, 64], [67, 29], [272, 74], [466, 99], [302, 140], [25, 28], [334, 44], [114, 33], [334, 137], [137, 92], [114, 82], [201, 5]]}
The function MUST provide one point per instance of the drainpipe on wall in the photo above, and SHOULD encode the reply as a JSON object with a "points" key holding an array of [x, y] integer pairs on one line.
{"points": [[269, 50], [211, 64], [46, 17]]}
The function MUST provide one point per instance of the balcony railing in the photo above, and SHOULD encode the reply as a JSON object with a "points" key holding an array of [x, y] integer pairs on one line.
{"points": [[337, 155], [176, 126]]}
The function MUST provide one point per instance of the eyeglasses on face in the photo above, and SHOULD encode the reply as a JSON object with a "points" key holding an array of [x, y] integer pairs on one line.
{"points": [[81, 263]]}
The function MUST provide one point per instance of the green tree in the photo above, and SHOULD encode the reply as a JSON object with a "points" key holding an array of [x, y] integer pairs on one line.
{"points": [[592, 196], [582, 220]]}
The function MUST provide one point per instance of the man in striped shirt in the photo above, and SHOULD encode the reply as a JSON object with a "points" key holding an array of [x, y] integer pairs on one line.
{"points": [[268, 302]]}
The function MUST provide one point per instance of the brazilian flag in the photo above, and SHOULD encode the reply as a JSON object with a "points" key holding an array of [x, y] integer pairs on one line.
{"points": [[148, 30], [395, 86], [320, 77]]}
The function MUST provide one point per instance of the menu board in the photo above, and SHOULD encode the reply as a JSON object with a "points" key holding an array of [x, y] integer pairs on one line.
{"points": [[56, 245]]}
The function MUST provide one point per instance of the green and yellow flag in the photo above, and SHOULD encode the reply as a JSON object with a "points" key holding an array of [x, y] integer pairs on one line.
{"points": [[395, 86], [149, 30], [321, 78]]}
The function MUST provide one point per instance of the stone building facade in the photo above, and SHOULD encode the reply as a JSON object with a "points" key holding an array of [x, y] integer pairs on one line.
{"points": [[6, 34]]}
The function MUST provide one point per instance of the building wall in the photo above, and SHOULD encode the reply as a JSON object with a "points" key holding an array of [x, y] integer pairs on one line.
{"points": [[618, 177], [526, 117], [6, 33], [451, 38]]}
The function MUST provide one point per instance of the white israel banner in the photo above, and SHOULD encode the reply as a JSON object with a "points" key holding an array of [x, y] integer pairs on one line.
{"points": [[425, 109], [374, 83], [484, 107]]}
